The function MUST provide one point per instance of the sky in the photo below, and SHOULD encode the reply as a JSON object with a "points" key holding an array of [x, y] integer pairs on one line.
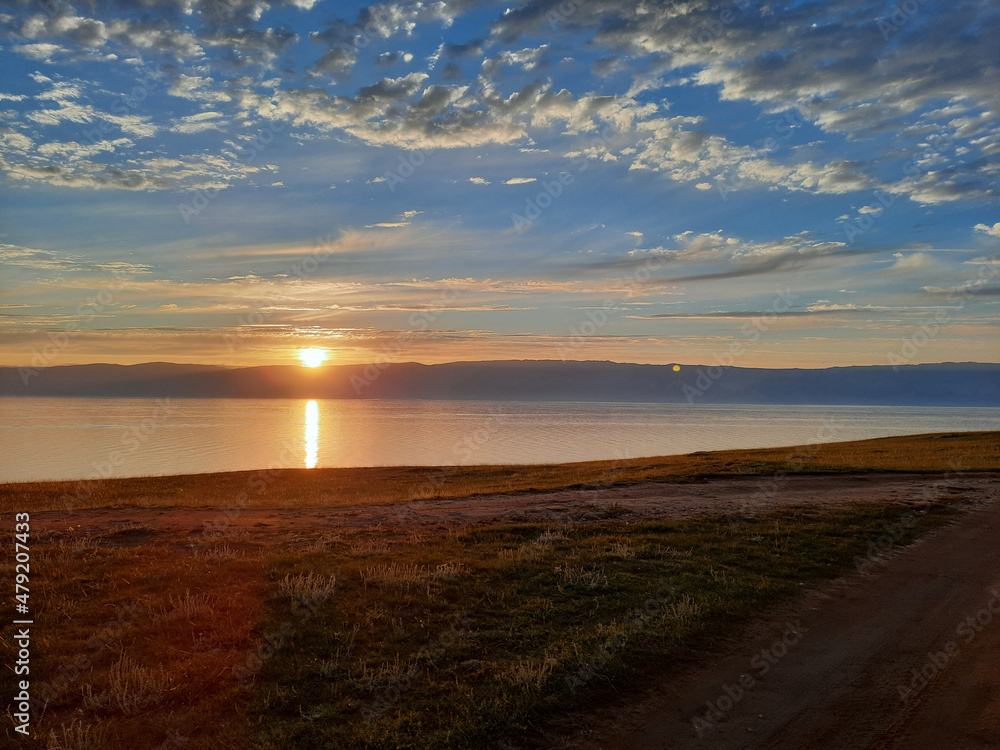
{"points": [[762, 184]]}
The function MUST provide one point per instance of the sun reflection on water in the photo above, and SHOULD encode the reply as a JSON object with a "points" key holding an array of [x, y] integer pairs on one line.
{"points": [[312, 433]]}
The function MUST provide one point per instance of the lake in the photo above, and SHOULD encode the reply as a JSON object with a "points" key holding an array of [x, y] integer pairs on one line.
{"points": [[79, 438]]}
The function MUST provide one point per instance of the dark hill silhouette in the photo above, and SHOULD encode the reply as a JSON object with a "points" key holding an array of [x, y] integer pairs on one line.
{"points": [[951, 384]]}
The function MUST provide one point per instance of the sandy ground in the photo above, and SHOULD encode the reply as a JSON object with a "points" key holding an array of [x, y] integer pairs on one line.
{"points": [[739, 495]]}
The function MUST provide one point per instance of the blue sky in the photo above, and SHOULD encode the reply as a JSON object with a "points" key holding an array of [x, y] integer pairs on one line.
{"points": [[764, 184]]}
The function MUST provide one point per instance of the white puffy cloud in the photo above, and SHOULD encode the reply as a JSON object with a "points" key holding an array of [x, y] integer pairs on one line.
{"points": [[910, 261], [197, 123], [197, 88], [92, 33], [828, 62], [42, 51], [831, 62]]}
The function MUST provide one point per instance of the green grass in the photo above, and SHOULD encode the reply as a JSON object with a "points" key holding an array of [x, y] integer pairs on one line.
{"points": [[528, 621]]}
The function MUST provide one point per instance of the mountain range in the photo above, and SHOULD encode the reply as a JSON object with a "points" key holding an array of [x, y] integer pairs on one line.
{"points": [[944, 384]]}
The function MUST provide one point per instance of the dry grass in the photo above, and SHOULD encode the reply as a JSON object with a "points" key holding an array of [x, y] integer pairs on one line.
{"points": [[405, 575], [78, 736], [528, 672], [622, 549], [328, 488], [308, 587], [131, 688], [134, 645]]}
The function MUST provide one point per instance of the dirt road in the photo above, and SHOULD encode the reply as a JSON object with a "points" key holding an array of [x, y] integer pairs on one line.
{"points": [[717, 496], [907, 656]]}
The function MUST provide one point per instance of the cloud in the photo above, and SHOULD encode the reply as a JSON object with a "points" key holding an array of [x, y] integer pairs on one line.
{"points": [[66, 95], [47, 260], [342, 39], [715, 257], [70, 165], [993, 231], [442, 116], [387, 58], [830, 63], [197, 123], [528, 59], [519, 180], [93, 34], [910, 261], [197, 88], [831, 311], [479, 181], [827, 64], [41, 52], [71, 150], [965, 290]]}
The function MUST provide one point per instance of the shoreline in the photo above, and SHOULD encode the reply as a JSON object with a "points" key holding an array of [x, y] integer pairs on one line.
{"points": [[929, 453]]}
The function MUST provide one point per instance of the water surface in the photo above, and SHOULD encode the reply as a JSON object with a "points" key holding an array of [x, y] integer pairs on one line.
{"points": [[77, 438]]}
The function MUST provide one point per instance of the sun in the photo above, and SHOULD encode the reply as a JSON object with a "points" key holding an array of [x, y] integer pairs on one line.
{"points": [[312, 357]]}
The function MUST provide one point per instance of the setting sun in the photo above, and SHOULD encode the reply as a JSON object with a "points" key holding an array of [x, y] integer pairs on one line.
{"points": [[312, 357]]}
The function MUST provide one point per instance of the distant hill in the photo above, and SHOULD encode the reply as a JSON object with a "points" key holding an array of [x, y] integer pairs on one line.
{"points": [[946, 384]]}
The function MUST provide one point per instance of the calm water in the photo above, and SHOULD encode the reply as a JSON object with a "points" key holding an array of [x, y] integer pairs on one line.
{"points": [[76, 438]]}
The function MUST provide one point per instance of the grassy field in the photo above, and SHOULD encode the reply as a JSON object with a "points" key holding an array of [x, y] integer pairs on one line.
{"points": [[453, 640], [325, 488], [464, 638]]}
